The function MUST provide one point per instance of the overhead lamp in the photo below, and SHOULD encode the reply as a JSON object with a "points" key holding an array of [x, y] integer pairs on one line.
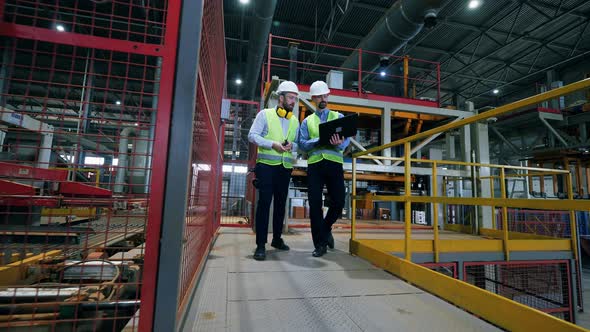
{"points": [[244, 2], [495, 91], [473, 4], [60, 28], [238, 81], [118, 102], [382, 73]]}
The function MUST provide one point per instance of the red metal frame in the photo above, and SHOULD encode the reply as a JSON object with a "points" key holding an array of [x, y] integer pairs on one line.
{"points": [[159, 160], [18, 171], [70, 38], [15, 188], [80, 189]]}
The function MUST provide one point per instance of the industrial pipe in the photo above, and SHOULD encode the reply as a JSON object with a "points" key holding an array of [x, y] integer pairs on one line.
{"points": [[402, 22], [122, 165], [260, 28]]}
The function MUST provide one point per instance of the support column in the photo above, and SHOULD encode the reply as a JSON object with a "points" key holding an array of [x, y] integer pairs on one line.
{"points": [[386, 133], [482, 155], [293, 64], [178, 168]]}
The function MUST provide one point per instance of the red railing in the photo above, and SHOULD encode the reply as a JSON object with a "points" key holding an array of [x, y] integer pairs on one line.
{"points": [[413, 71]]}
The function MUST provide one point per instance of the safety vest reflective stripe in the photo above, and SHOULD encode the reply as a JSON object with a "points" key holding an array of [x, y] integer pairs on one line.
{"points": [[325, 151], [274, 157], [275, 134], [322, 152]]}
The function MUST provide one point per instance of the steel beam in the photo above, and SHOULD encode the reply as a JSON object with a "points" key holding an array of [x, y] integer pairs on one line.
{"points": [[394, 106], [554, 132]]}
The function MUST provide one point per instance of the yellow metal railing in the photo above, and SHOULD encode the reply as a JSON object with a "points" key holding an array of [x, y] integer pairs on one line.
{"points": [[503, 202]]}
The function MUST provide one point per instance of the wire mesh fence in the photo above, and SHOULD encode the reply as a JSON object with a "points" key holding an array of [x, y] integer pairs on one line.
{"points": [[543, 285], [85, 104]]}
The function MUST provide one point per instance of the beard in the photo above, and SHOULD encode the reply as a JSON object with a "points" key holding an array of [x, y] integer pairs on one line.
{"points": [[322, 105], [288, 107]]}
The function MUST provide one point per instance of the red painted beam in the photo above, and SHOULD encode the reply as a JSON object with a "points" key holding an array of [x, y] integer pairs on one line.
{"points": [[15, 188], [29, 201], [372, 96], [17, 171], [83, 190], [77, 39]]}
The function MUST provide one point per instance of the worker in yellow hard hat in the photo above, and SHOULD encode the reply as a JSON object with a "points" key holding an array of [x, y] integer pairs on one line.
{"points": [[324, 167], [274, 131]]}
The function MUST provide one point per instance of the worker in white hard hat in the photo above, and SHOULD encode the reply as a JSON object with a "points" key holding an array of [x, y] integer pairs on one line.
{"points": [[275, 132], [324, 167]]}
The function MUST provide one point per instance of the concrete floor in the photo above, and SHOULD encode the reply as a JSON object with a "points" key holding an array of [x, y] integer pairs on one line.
{"points": [[293, 291]]}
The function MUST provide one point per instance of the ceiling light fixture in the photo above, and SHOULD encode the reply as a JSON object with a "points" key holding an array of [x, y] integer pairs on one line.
{"points": [[474, 4], [238, 81], [118, 102], [496, 91], [60, 28], [382, 73], [244, 2]]}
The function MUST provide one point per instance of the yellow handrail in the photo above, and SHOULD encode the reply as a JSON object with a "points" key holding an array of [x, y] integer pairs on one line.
{"points": [[502, 202], [508, 108]]}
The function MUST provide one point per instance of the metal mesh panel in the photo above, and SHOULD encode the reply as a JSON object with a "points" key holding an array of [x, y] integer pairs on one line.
{"points": [[137, 21], [77, 135], [80, 98], [237, 196], [548, 223], [543, 285]]}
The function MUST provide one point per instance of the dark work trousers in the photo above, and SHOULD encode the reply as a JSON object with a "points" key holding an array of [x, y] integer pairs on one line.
{"points": [[322, 173], [273, 181]]}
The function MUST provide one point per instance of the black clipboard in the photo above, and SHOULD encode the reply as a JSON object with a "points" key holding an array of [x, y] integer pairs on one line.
{"points": [[345, 127]]}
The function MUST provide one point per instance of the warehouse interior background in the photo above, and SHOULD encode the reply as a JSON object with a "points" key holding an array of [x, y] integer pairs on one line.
{"points": [[126, 196]]}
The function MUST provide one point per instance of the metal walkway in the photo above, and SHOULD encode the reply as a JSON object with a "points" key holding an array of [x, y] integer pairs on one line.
{"points": [[293, 291]]}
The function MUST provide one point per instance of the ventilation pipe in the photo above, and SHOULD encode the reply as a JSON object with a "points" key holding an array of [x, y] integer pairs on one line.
{"points": [[122, 165], [402, 22], [259, 31]]}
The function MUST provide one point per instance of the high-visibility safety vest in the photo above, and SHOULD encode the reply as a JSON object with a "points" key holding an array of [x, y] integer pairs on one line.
{"points": [[275, 134], [319, 153]]}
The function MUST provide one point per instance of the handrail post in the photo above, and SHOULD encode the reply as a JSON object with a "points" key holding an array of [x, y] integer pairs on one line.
{"points": [[360, 72], [406, 74], [493, 207], [504, 214], [408, 202], [269, 55], [573, 224], [353, 202], [435, 212]]}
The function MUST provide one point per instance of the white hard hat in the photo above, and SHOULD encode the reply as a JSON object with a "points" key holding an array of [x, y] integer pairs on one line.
{"points": [[288, 86], [319, 88]]}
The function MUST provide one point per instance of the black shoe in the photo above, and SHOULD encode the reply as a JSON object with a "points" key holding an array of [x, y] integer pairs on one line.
{"points": [[260, 253], [279, 244], [330, 241], [319, 251]]}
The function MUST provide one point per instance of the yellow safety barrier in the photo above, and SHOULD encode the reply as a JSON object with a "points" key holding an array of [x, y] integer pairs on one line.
{"points": [[503, 202], [501, 311]]}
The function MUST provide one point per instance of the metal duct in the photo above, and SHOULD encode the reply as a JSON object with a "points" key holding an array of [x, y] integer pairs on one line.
{"points": [[122, 165], [402, 22], [259, 30]]}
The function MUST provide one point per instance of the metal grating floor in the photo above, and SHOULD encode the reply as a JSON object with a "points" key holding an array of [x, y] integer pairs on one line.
{"points": [[293, 291]]}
